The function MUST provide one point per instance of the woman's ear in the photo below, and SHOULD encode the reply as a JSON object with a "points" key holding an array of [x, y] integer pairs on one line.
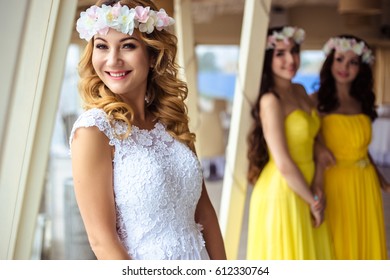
{"points": [[152, 62]]}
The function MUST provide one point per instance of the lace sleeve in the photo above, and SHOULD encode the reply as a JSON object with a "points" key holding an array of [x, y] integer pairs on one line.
{"points": [[94, 117]]}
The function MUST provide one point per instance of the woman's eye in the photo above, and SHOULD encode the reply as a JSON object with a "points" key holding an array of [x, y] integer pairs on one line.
{"points": [[129, 46], [101, 46], [279, 53], [355, 62], [339, 59]]}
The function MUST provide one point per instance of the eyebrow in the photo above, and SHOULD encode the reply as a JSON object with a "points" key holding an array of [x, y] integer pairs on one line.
{"points": [[121, 40]]}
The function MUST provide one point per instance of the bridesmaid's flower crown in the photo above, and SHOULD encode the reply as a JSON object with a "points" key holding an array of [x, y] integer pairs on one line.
{"points": [[98, 20], [342, 44], [287, 33]]}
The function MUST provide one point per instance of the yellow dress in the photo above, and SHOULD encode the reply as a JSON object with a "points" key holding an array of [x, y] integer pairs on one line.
{"points": [[354, 199], [280, 225]]}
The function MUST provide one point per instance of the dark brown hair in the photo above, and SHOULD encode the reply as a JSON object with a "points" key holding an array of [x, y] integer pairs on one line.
{"points": [[257, 147], [361, 88]]}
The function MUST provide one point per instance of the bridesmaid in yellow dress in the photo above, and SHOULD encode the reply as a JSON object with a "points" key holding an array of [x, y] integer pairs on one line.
{"points": [[284, 210], [353, 185]]}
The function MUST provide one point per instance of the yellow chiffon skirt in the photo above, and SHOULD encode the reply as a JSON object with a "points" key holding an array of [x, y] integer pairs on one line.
{"points": [[355, 213], [280, 224]]}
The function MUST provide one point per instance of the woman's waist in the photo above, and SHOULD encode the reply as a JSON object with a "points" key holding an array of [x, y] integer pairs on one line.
{"points": [[165, 234], [300, 161], [361, 162]]}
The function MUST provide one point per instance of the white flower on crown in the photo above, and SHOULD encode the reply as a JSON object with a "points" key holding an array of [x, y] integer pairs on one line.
{"points": [[98, 20], [346, 44], [288, 32]]}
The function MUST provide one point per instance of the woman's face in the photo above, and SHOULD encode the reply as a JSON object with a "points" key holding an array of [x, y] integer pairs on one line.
{"points": [[285, 60], [122, 62], [345, 67]]}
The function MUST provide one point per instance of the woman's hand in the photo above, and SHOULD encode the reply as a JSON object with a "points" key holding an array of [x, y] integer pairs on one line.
{"points": [[323, 155], [317, 213], [320, 196]]}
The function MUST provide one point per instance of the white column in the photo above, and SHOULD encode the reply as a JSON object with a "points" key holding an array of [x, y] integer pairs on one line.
{"points": [[187, 57], [33, 91], [252, 48]]}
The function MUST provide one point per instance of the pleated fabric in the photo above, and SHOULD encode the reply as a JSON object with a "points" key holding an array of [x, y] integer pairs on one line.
{"points": [[354, 198], [280, 225]]}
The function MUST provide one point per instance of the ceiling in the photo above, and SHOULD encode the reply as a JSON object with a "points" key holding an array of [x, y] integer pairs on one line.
{"points": [[212, 16], [292, 3], [204, 10], [231, 6]]}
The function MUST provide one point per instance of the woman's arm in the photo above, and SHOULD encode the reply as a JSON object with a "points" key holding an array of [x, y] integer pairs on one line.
{"points": [[206, 216], [92, 175], [324, 159], [272, 119]]}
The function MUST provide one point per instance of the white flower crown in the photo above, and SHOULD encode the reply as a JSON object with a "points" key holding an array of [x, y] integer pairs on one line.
{"points": [[345, 44], [288, 32], [100, 19]]}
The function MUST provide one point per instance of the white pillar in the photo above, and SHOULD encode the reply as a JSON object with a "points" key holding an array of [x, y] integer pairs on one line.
{"points": [[187, 57], [252, 48], [37, 61]]}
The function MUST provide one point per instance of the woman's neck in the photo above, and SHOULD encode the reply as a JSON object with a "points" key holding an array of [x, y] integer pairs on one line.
{"points": [[283, 87], [343, 90]]}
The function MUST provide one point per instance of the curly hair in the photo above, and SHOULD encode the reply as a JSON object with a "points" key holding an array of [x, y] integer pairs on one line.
{"points": [[361, 88], [166, 93], [257, 147]]}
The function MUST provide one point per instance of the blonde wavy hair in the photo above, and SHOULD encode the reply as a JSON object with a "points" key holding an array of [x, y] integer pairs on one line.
{"points": [[165, 91]]}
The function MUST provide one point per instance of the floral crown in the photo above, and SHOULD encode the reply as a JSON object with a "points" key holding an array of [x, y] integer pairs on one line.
{"points": [[288, 32], [345, 44], [100, 19]]}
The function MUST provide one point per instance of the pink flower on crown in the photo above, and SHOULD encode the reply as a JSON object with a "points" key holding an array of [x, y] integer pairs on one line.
{"points": [[145, 19], [329, 46], [148, 27], [346, 44], [163, 20], [98, 20], [107, 17], [287, 33], [142, 14], [86, 23]]}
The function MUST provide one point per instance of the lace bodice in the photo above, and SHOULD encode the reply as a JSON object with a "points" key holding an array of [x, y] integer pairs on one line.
{"points": [[157, 184]]}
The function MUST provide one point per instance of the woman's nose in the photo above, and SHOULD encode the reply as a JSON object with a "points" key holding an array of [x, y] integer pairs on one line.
{"points": [[114, 58], [344, 65], [289, 57]]}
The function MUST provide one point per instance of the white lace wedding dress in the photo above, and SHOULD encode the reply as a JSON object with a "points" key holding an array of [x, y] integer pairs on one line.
{"points": [[157, 184]]}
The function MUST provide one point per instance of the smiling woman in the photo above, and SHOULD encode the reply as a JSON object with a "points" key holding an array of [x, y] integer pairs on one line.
{"points": [[353, 184], [122, 63], [127, 146], [286, 209]]}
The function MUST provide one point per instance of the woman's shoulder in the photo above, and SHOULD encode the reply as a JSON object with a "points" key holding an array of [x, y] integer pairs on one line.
{"points": [[94, 117], [270, 100]]}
